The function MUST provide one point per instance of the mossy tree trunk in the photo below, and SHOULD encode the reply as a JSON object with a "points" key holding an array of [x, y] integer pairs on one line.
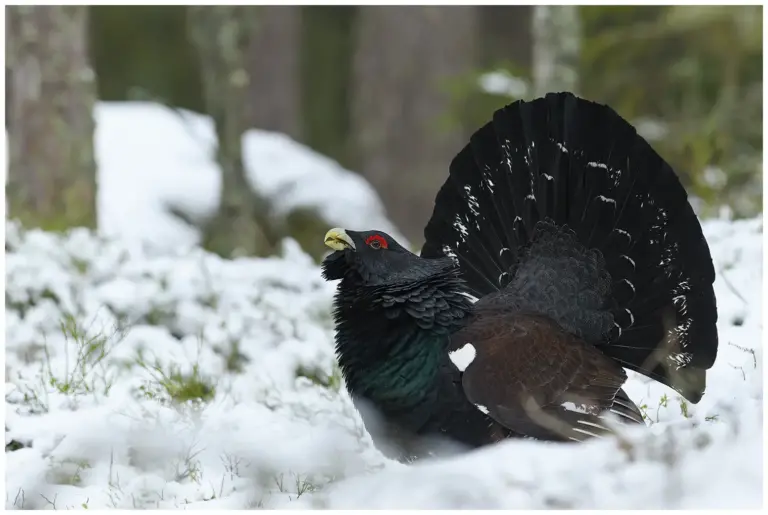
{"points": [[51, 95], [221, 35], [406, 59]]}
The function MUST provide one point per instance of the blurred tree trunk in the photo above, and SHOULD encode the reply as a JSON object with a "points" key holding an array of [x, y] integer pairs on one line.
{"points": [[274, 92], [52, 171], [556, 47], [327, 47], [221, 35], [406, 59], [506, 36]]}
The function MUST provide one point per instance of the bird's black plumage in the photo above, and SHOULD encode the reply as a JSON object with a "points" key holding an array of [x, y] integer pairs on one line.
{"points": [[583, 256]]}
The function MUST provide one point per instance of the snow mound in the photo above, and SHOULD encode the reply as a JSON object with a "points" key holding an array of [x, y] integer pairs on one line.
{"points": [[151, 158], [144, 378]]}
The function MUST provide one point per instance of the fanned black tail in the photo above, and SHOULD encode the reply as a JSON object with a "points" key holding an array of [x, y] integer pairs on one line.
{"points": [[565, 161]]}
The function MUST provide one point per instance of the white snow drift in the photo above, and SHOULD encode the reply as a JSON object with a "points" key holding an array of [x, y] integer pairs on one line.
{"points": [[151, 158]]}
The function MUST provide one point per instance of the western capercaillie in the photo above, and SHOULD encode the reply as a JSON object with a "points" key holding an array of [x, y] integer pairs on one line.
{"points": [[562, 250]]}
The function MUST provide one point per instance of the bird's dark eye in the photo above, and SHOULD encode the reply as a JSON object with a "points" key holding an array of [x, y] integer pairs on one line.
{"points": [[376, 241]]}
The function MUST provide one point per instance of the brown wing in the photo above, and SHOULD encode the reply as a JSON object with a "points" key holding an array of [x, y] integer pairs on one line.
{"points": [[540, 381]]}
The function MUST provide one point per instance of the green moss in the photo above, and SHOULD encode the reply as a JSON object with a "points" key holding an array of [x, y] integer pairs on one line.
{"points": [[182, 388], [14, 445], [320, 378], [80, 265], [235, 359], [307, 227], [178, 387], [73, 206], [68, 472], [158, 317]]}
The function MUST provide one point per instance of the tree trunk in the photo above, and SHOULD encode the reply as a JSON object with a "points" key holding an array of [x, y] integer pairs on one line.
{"points": [[274, 93], [556, 47], [52, 171], [406, 59], [327, 46], [506, 36], [221, 36]]}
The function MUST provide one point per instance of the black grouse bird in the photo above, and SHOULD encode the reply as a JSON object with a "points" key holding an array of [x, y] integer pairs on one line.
{"points": [[562, 249]]}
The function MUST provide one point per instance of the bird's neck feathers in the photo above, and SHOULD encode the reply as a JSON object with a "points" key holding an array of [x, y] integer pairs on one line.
{"points": [[391, 338]]}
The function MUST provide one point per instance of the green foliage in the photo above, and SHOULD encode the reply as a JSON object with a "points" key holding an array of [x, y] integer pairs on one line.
{"points": [[155, 57], [85, 373], [179, 387], [92, 350], [73, 204], [234, 358], [697, 72], [307, 227], [320, 378], [68, 472], [326, 65], [471, 105]]}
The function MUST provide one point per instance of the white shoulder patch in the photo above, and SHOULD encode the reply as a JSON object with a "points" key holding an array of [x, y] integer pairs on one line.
{"points": [[463, 357]]}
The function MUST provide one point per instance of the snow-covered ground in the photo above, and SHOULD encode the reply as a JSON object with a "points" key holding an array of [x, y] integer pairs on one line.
{"points": [[157, 375]]}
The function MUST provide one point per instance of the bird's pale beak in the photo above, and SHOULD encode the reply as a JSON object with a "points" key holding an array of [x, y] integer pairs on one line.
{"points": [[338, 239]]}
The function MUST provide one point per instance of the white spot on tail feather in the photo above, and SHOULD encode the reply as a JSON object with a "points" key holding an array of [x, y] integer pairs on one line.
{"points": [[573, 407], [624, 233], [620, 414], [632, 261], [606, 199], [592, 424], [586, 432], [482, 408], [474, 205], [463, 357], [632, 286], [594, 164], [459, 224]]}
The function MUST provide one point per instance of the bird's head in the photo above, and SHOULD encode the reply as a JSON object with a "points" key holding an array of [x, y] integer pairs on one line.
{"points": [[369, 258]]}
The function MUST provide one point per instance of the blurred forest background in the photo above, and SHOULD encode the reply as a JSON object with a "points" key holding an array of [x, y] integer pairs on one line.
{"points": [[392, 93]]}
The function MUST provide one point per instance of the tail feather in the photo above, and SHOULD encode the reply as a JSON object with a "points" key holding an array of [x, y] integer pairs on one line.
{"points": [[563, 161]]}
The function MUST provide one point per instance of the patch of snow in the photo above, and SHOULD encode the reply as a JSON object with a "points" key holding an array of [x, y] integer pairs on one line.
{"points": [[651, 129], [151, 158], [89, 405], [501, 82]]}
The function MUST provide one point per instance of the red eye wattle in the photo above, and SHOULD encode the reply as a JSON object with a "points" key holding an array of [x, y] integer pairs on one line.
{"points": [[376, 241]]}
